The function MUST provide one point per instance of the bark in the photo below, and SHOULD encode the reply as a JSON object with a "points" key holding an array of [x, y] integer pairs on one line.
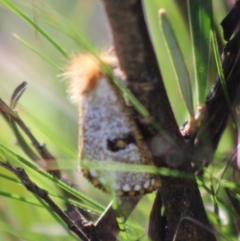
{"points": [[137, 59]]}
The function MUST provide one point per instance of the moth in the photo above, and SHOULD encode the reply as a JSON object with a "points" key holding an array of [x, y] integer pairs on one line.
{"points": [[107, 130]]}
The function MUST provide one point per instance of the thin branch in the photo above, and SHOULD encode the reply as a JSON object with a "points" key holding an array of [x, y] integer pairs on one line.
{"points": [[76, 222], [217, 112], [44, 155], [12, 118], [87, 227], [32, 187], [17, 93]]}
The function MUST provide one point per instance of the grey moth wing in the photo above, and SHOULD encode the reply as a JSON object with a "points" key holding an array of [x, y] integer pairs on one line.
{"points": [[107, 132]]}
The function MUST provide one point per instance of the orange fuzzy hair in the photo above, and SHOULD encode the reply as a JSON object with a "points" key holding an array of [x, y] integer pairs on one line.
{"points": [[84, 71]]}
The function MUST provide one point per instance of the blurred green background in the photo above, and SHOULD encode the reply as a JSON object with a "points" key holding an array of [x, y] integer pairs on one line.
{"points": [[45, 107]]}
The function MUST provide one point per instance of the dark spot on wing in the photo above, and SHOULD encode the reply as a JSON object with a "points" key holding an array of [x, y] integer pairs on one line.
{"points": [[120, 143]]}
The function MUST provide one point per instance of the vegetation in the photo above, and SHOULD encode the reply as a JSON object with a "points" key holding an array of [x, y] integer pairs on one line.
{"points": [[37, 39]]}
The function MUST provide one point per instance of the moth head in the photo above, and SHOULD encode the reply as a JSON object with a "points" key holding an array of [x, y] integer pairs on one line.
{"points": [[84, 72]]}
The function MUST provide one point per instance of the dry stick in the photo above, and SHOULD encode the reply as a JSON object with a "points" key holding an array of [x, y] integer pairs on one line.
{"points": [[8, 115], [87, 227], [17, 93], [14, 116], [45, 155], [217, 111], [138, 61], [32, 187], [29, 152], [41, 148]]}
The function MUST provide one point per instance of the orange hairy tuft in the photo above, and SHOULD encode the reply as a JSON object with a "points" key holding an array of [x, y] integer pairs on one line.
{"points": [[83, 73]]}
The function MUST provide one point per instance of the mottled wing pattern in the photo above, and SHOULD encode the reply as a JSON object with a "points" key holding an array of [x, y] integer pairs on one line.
{"points": [[108, 132]]}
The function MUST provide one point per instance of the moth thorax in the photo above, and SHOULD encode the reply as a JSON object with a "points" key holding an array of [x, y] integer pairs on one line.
{"points": [[83, 74]]}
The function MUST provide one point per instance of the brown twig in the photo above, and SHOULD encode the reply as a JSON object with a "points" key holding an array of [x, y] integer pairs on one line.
{"points": [[12, 118], [32, 187], [87, 227], [217, 111], [137, 59]]}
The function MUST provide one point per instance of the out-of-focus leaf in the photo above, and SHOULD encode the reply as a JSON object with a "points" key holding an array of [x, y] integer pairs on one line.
{"points": [[16, 10], [200, 19], [177, 59]]}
